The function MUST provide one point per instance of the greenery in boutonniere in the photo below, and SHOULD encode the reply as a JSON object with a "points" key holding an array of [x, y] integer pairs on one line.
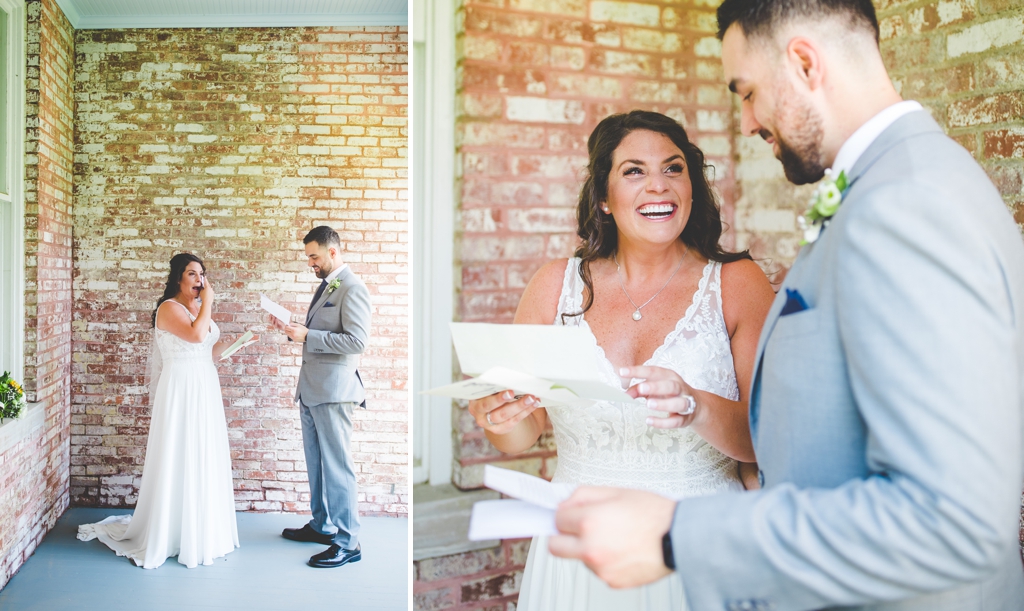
{"points": [[333, 284], [823, 206], [12, 397]]}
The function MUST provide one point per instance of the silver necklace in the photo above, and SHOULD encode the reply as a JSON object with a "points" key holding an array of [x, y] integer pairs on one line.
{"points": [[636, 314]]}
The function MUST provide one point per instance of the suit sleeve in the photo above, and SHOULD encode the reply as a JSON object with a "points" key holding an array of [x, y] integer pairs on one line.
{"points": [[930, 341], [355, 325]]}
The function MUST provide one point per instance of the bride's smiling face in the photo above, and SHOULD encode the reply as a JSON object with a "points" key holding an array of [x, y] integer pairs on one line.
{"points": [[649, 190], [191, 282]]}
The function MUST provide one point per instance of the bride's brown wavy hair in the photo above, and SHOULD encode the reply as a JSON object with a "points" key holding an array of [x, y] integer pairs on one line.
{"points": [[597, 230]]}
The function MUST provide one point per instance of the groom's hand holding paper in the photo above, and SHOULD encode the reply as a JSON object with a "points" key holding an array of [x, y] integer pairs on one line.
{"points": [[637, 520]]}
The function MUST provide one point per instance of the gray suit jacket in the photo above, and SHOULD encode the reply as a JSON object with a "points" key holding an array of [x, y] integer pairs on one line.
{"points": [[887, 417], [339, 324]]}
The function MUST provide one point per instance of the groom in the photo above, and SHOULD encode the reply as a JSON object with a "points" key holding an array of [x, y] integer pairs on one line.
{"points": [[886, 406], [335, 333]]}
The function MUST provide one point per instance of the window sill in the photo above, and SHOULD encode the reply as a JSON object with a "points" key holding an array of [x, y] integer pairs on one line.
{"points": [[441, 520], [15, 430]]}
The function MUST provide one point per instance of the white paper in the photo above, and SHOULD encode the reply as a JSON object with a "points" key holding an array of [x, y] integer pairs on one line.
{"points": [[509, 519], [524, 487], [280, 312], [240, 343], [529, 513], [556, 364]]}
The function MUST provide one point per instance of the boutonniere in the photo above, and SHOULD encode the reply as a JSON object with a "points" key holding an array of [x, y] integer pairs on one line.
{"points": [[823, 206], [333, 284]]}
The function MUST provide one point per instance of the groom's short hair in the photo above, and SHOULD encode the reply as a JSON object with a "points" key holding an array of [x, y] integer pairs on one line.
{"points": [[763, 18], [324, 236]]}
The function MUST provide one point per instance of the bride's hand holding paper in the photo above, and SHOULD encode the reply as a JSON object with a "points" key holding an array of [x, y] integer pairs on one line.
{"points": [[501, 412], [673, 403]]}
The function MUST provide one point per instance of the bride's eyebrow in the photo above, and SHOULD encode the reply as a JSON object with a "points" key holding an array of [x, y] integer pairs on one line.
{"points": [[641, 163]]}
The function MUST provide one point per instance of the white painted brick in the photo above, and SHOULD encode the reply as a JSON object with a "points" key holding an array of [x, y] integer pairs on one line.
{"points": [[984, 36]]}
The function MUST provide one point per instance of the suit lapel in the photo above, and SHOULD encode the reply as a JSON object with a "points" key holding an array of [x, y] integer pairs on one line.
{"points": [[323, 298]]}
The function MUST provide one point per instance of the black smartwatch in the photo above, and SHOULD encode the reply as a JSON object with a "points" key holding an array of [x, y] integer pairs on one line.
{"points": [[666, 551]]}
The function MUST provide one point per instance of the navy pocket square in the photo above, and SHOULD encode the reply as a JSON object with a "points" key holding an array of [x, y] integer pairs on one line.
{"points": [[794, 303], [328, 305]]}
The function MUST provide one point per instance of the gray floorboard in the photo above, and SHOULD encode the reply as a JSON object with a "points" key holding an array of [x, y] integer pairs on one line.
{"points": [[267, 572]]}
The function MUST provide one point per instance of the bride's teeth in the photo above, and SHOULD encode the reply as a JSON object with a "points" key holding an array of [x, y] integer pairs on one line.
{"points": [[656, 210]]}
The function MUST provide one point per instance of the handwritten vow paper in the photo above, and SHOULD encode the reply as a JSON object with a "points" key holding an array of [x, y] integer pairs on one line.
{"points": [[558, 365], [529, 513]]}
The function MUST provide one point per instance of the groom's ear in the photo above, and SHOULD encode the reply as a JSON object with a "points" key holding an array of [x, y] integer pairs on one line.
{"points": [[804, 59]]}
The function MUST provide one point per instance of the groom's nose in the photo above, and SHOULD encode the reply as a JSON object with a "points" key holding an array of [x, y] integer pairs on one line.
{"points": [[749, 124]]}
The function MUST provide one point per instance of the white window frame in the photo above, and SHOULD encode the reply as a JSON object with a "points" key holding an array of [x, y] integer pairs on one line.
{"points": [[433, 178], [12, 219]]}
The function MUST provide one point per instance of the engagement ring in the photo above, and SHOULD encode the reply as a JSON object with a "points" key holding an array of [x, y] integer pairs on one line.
{"points": [[691, 404], [488, 418]]}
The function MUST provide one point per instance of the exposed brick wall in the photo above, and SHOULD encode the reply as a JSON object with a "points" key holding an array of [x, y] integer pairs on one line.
{"points": [[34, 484], [485, 579], [232, 143]]}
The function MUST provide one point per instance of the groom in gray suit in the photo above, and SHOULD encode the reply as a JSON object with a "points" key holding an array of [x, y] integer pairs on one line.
{"points": [[335, 333], [886, 404]]}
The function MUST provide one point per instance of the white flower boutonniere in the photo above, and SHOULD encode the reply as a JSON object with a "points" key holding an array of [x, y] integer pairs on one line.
{"points": [[333, 284], [824, 204]]}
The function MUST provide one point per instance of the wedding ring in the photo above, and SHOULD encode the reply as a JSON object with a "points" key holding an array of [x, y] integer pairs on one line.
{"points": [[691, 405], [488, 418]]}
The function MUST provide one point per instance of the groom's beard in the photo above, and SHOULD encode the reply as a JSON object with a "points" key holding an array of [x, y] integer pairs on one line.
{"points": [[324, 271], [800, 150]]}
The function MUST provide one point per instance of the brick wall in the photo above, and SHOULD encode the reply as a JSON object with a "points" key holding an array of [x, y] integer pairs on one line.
{"points": [[232, 144], [484, 579], [34, 484]]}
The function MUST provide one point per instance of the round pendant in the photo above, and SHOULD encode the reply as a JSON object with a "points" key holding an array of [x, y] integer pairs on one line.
{"points": [[636, 315]]}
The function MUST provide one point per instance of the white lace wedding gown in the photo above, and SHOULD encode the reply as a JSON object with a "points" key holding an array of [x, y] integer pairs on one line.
{"points": [[186, 504], [610, 444]]}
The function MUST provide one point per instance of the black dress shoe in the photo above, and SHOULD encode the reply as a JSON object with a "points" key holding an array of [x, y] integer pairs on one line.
{"points": [[307, 534], [335, 555]]}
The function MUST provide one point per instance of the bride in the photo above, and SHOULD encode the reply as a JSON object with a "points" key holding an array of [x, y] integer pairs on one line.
{"points": [[654, 288], [186, 502]]}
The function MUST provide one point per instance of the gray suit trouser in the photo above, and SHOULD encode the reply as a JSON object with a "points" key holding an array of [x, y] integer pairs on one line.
{"points": [[333, 497]]}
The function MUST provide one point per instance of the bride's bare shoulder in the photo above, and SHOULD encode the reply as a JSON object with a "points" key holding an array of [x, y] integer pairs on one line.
{"points": [[539, 302], [170, 312]]}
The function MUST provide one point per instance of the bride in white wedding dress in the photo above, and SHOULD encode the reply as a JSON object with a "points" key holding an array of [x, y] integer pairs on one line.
{"points": [[653, 287], [186, 505]]}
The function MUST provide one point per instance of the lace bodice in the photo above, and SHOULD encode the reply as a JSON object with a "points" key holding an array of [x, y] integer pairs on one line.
{"points": [[173, 347], [611, 443]]}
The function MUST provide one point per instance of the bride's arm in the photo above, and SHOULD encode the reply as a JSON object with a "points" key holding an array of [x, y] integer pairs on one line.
{"points": [[518, 424], [746, 298]]}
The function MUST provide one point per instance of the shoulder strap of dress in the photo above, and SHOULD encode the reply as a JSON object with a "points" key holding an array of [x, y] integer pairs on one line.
{"points": [[177, 302], [570, 301]]}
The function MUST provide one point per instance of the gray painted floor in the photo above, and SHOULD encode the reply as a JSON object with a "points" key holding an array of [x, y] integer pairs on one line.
{"points": [[266, 572]]}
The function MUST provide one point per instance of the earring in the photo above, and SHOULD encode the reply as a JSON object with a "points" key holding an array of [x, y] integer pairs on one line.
{"points": [[606, 209]]}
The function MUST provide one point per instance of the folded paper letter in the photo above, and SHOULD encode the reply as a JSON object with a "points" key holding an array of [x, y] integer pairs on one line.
{"points": [[240, 343], [529, 513], [556, 364]]}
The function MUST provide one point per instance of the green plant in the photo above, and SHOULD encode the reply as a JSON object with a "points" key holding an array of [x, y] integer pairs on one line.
{"points": [[12, 397]]}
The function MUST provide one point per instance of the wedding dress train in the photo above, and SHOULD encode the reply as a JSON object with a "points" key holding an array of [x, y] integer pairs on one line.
{"points": [[186, 504], [610, 444]]}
